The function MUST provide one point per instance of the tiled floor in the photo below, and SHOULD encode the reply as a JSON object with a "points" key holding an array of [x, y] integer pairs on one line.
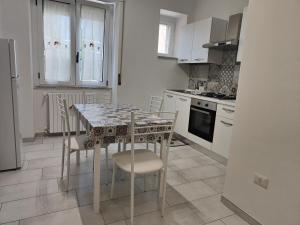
{"points": [[35, 194]]}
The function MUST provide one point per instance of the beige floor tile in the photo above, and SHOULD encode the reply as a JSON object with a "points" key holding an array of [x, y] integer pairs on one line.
{"points": [[234, 220], [123, 222], [36, 147], [216, 183], [12, 223], [186, 152], [27, 190], [31, 207], [76, 216], [143, 203], [180, 164], [42, 154], [19, 176], [42, 163], [173, 197], [85, 195], [180, 215], [112, 212], [211, 208], [174, 178], [203, 172], [194, 190], [218, 222]]}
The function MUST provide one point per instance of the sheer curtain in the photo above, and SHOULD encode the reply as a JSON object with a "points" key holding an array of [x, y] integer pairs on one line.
{"points": [[91, 44], [57, 41]]}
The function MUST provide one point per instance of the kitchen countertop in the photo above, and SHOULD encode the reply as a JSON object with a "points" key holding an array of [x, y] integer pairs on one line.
{"points": [[219, 101]]}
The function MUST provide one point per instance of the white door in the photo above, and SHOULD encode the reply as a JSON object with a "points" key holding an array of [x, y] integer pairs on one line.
{"points": [[169, 102], [202, 33], [185, 44], [183, 107], [222, 136]]}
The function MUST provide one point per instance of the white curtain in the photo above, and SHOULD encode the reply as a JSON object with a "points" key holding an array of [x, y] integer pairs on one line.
{"points": [[57, 41], [91, 43]]}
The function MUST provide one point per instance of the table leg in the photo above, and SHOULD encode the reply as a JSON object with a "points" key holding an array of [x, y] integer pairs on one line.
{"points": [[97, 184], [77, 134]]}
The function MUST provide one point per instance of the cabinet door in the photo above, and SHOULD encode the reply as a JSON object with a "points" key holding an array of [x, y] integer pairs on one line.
{"points": [[201, 36], [169, 102], [222, 136], [183, 108], [242, 36], [185, 44]]}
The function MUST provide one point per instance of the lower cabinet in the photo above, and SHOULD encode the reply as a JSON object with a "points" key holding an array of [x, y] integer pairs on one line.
{"points": [[173, 103], [222, 136], [182, 105]]}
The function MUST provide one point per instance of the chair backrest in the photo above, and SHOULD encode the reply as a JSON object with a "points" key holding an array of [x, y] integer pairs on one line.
{"points": [[155, 104], [152, 127], [96, 98], [64, 114]]}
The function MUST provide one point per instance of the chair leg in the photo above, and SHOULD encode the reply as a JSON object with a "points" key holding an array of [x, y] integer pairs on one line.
{"points": [[63, 160], [113, 181], [119, 147], [163, 202], [161, 181], [68, 168], [124, 146], [106, 164], [155, 147], [132, 198], [147, 145], [86, 153]]}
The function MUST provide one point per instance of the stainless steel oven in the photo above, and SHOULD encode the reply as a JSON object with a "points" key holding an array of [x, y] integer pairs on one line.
{"points": [[202, 119]]}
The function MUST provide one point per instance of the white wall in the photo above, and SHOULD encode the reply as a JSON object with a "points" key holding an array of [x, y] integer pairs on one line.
{"points": [[266, 137], [15, 24], [143, 73], [217, 8]]}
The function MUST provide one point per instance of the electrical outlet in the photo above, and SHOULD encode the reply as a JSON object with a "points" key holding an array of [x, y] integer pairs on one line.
{"points": [[261, 181]]}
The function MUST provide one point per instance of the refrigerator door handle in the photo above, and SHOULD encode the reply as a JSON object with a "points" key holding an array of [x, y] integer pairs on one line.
{"points": [[17, 76]]}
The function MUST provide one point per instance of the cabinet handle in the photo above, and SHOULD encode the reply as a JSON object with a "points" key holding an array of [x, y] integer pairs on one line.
{"points": [[170, 96], [199, 59], [228, 110], [183, 99], [227, 124], [183, 60]]}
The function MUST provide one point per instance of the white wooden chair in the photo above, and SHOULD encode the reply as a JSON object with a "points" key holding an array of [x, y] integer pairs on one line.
{"points": [[144, 161], [155, 105], [70, 143]]}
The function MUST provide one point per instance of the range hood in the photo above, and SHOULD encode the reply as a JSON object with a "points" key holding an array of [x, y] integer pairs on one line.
{"points": [[232, 34]]}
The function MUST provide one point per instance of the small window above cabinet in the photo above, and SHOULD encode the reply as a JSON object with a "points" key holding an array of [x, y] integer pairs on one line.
{"points": [[195, 35], [169, 30]]}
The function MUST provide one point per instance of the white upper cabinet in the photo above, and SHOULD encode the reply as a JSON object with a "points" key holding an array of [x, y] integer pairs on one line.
{"points": [[195, 35], [242, 36], [186, 44]]}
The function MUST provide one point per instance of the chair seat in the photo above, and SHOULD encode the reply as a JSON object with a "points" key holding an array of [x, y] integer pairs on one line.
{"points": [[77, 142], [145, 161]]}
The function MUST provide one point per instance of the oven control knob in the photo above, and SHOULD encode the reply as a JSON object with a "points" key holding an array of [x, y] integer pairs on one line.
{"points": [[199, 103], [206, 104]]}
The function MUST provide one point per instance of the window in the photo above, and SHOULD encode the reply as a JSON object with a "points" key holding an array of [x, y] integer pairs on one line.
{"points": [[74, 41], [166, 36]]}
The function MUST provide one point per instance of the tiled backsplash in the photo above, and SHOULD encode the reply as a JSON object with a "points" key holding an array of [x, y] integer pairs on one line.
{"points": [[219, 78]]}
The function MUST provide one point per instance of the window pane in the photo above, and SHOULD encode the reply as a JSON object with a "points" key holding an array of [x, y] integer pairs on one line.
{"points": [[91, 44], [57, 41], [164, 39]]}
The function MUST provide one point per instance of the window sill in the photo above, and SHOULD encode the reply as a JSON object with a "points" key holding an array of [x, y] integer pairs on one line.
{"points": [[69, 87], [167, 57]]}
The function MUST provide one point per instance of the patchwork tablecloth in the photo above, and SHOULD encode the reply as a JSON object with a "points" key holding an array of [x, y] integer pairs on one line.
{"points": [[111, 123]]}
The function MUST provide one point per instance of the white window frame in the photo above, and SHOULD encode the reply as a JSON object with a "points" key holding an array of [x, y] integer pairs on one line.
{"points": [[169, 21], [38, 31]]}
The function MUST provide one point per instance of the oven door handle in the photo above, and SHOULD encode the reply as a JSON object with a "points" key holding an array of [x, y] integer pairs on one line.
{"points": [[201, 111]]}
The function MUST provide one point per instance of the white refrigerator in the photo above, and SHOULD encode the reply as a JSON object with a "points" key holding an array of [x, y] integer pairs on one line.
{"points": [[10, 157]]}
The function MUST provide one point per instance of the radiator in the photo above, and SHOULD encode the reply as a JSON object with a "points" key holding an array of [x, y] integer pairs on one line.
{"points": [[54, 119]]}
